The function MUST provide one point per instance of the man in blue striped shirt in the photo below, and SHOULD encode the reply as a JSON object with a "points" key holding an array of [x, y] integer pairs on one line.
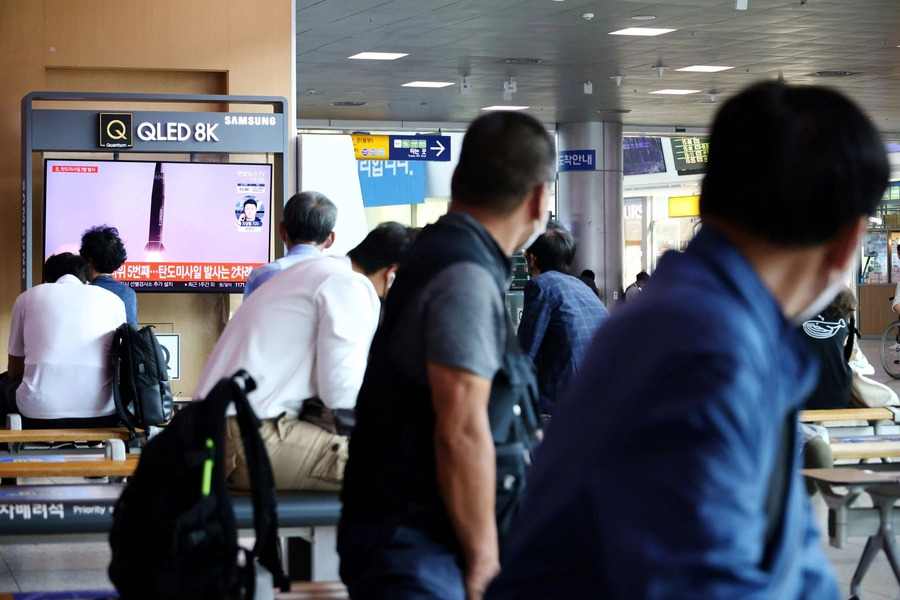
{"points": [[307, 228]]}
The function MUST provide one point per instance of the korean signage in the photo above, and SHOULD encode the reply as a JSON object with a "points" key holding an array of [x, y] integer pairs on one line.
{"points": [[892, 192], [154, 131], [184, 276], [402, 147], [691, 155], [577, 160], [391, 182]]}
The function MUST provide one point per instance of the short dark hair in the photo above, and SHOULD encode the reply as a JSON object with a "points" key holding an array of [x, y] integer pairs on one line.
{"points": [[817, 164], [251, 201], [504, 156], [642, 276], [384, 247], [589, 274], [309, 217], [65, 263], [554, 250], [103, 249]]}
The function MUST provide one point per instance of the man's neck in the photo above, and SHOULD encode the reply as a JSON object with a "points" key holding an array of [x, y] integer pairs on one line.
{"points": [[292, 245], [506, 233], [777, 266]]}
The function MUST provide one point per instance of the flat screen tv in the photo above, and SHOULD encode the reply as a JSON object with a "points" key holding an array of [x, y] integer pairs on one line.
{"points": [[188, 227], [642, 156]]}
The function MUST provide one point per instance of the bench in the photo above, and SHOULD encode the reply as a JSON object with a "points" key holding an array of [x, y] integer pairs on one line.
{"points": [[850, 414], [77, 513], [868, 446], [56, 465]]}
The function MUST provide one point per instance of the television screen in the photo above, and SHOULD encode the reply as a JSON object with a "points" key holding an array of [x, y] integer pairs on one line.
{"points": [[642, 156], [691, 155], [194, 227]]}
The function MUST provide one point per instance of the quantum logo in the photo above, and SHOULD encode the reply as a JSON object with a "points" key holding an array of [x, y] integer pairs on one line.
{"points": [[116, 130]]}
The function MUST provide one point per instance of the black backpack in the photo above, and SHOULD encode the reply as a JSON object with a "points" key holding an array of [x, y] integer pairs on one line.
{"points": [[174, 535], [140, 378]]}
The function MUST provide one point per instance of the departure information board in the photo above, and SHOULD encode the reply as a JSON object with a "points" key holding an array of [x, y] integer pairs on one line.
{"points": [[691, 155]]}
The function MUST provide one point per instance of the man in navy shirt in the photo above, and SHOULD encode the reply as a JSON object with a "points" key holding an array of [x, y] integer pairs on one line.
{"points": [[670, 467], [560, 314], [104, 253]]}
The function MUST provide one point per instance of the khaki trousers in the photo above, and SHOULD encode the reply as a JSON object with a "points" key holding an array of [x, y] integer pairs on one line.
{"points": [[303, 456]]}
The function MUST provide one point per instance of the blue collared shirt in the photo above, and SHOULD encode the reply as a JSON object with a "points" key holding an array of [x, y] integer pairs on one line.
{"points": [[559, 320], [124, 292], [653, 477], [260, 275]]}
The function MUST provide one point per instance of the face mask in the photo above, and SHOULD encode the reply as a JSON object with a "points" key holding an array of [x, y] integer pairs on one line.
{"points": [[540, 227], [819, 304]]}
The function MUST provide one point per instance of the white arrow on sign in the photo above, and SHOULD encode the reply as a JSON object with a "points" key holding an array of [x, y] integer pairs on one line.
{"points": [[440, 148]]}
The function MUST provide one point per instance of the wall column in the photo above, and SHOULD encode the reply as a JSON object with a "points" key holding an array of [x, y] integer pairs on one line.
{"points": [[591, 204]]}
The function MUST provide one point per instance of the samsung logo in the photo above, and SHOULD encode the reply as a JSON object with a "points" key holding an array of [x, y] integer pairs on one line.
{"points": [[244, 120]]}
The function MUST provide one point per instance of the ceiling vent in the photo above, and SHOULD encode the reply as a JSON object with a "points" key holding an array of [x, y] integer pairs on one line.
{"points": [[348, 103], [524, 61], [833, 74]]}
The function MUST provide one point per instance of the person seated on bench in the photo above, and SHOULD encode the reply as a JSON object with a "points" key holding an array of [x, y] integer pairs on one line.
{"points": [[305, 336], [59, 343], [104, 253], [827, 335]]}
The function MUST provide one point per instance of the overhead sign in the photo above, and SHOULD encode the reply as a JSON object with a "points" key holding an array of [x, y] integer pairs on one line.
{"points": [[154, 131], [171, 347], [577, 160], [116, 130], [691, 155], [402, 147], [684, 206], [391, 182]]}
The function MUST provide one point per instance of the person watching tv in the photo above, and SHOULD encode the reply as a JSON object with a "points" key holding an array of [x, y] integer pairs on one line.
{"points": [[104, 252], [306, 334], [60, 338], [306, 228]]}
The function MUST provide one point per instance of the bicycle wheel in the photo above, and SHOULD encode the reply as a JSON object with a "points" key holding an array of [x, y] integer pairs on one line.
{"points": [[890, 350]]}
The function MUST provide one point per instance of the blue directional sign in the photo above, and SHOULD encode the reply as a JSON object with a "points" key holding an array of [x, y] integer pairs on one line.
{"points": [[577, 160], [391, 182], [420, 147]]}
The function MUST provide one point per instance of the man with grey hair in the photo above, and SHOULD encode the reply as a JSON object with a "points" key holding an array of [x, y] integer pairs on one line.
{"points": [[307, 228]]}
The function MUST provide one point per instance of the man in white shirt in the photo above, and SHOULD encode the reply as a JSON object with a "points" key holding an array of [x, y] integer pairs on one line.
{"points": [[307, 228], [305, 334], [59, 369]]}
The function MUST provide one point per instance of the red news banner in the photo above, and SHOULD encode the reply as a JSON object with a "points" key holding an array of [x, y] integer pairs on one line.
{"points": [[172, 271]]}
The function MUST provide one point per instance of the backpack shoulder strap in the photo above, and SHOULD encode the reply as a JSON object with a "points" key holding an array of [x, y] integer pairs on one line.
{"points": [[262, 482], [120, 336]]}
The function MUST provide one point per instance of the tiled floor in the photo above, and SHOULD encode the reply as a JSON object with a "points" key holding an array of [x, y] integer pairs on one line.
{"points": [[83, 566]]}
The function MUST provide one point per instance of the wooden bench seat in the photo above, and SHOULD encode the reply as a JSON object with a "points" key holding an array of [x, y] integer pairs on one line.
{"points": [[846, 414], [67, 466], [30, 436], [870, 446]]}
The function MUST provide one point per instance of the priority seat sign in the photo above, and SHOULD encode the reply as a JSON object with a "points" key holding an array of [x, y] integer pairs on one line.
{"points": [[402, 147]]}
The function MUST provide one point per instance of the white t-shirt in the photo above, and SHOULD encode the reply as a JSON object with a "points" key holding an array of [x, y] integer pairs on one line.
{"points": [[64, 330], [305, 333]]}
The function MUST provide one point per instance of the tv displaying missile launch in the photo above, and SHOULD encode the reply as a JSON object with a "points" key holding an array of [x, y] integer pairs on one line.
{"points": [[190, 227]]}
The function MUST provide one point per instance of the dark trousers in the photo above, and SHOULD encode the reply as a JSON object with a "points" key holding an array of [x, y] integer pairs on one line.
{"points": [[392, 562], [8, 389]]}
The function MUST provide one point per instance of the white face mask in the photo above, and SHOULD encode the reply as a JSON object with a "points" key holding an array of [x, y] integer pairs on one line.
{"points": [[820, 303], [540, 227]]}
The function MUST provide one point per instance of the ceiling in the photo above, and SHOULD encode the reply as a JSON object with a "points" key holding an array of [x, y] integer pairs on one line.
{"points": [[449, 39]]}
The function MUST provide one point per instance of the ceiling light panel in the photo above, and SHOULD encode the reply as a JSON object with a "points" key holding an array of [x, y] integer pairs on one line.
{"points": [[428, 84], [504, 107], [377, 56], [641, 31], [704, 69], [676, 92]]}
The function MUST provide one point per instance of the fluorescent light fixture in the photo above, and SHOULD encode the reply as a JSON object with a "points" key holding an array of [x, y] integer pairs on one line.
{"points": [[642, 31], [704, 69], [504, 107], [428, 84], [676, 92], [377, 56]]}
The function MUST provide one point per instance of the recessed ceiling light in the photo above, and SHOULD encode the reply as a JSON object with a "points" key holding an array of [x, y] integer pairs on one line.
{"points": [[348, 103], [832, 73], [428, 84], [620, 111], [643, 17], [524, 61], [377, 56], [704, 69], [504, 107], [642, 31], [676, 92]]}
